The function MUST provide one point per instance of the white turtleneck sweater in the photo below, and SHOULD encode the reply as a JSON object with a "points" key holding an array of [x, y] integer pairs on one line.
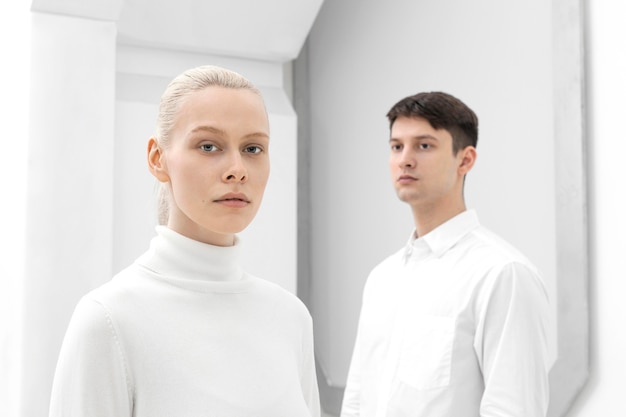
{"points": [[184, 332]]}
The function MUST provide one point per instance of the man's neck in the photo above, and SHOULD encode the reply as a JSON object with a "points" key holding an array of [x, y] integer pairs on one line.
{"points": [[428, 218]]}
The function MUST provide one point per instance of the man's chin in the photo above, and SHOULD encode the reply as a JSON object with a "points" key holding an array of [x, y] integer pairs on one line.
{"points": [[407, 197]]}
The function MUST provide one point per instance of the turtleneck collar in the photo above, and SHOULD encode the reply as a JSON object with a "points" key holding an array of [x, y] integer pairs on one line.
{"points": [[194, 265]]}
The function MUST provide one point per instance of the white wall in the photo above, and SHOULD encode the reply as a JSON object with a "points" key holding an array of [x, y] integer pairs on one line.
{"points": [[606, 89], [363, 58]]}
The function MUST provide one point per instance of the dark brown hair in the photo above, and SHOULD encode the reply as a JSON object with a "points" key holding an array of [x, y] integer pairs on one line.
{"points": [[442, 111]]}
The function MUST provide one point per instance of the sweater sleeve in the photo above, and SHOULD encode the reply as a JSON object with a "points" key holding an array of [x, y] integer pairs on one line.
{"points": [[512, 345], [91, 378]]}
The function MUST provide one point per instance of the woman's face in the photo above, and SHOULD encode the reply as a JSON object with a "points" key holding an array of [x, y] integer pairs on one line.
{"points": [[216, 164]]}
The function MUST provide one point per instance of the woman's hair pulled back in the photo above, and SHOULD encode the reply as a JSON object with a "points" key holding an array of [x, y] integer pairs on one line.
{"points": [[189, 82]]}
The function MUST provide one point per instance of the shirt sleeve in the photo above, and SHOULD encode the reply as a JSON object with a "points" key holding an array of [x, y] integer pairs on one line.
{"points": [[512, 345], [91, 377], [351, 403], [351, 397], [308, 379]]}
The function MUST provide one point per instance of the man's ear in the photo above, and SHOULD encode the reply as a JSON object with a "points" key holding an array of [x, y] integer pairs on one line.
{"points": [[467, 158], [156, 161]]}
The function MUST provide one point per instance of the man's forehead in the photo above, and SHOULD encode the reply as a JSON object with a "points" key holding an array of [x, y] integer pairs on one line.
{"points": [[416, 127]]}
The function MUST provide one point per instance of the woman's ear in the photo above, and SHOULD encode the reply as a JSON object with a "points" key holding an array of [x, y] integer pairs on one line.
{"points": [[156, 161], [467, 159]]}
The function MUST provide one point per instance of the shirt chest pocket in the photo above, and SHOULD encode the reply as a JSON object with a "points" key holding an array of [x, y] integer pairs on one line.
{"points": [[425, 356]]}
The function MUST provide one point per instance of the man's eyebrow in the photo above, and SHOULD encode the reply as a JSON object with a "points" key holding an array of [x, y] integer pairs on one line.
{"points": [[418, 137]]}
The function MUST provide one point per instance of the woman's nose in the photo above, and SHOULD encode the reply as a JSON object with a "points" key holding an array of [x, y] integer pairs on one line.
{"points": [[236, 171]]}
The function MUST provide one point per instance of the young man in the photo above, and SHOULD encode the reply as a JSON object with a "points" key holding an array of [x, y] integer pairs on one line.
{"points": [[456, 323]]}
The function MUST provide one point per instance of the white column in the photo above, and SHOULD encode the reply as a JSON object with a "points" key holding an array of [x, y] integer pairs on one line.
{"points": [[70, 186], [15, 73]]}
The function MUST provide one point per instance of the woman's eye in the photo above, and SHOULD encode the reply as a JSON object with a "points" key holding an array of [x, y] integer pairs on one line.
{"points": [[207, 147], [253, 149]]}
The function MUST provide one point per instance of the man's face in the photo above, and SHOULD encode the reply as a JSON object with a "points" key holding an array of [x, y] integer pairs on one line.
{"points": [[425, 172]]}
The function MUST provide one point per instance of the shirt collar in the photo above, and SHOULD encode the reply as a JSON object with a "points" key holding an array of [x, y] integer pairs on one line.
{"points": [[443, 237]]}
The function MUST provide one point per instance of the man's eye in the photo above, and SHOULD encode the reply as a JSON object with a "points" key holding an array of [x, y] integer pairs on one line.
{"points": [[253, 149], [396, 147], [424, 145], [207, 147]]}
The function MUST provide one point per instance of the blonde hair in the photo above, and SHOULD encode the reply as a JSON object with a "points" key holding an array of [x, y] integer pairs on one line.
{"points": [[190, 81]]}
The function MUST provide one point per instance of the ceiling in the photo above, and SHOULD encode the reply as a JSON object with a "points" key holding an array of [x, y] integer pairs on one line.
{"points": [[272, 30]]}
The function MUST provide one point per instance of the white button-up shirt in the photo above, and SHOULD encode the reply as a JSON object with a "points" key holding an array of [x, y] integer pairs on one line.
{"points": [[455, 324]]}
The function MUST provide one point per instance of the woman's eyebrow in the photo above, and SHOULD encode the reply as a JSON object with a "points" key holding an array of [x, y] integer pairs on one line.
{"points": [[220, 132], [209, 129]]}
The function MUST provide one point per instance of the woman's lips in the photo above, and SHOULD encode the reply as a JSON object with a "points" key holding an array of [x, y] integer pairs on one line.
{"points": [[233, 200]]}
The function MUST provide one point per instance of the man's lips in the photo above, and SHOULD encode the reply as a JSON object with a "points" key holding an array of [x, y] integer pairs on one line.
{"points": [[406, 179]]}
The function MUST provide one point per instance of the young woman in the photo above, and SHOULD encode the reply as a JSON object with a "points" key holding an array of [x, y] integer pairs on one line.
{"points": [[183, 331]]}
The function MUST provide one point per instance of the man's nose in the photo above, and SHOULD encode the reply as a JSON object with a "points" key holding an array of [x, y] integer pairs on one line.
{"points": [[407, 159]]}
